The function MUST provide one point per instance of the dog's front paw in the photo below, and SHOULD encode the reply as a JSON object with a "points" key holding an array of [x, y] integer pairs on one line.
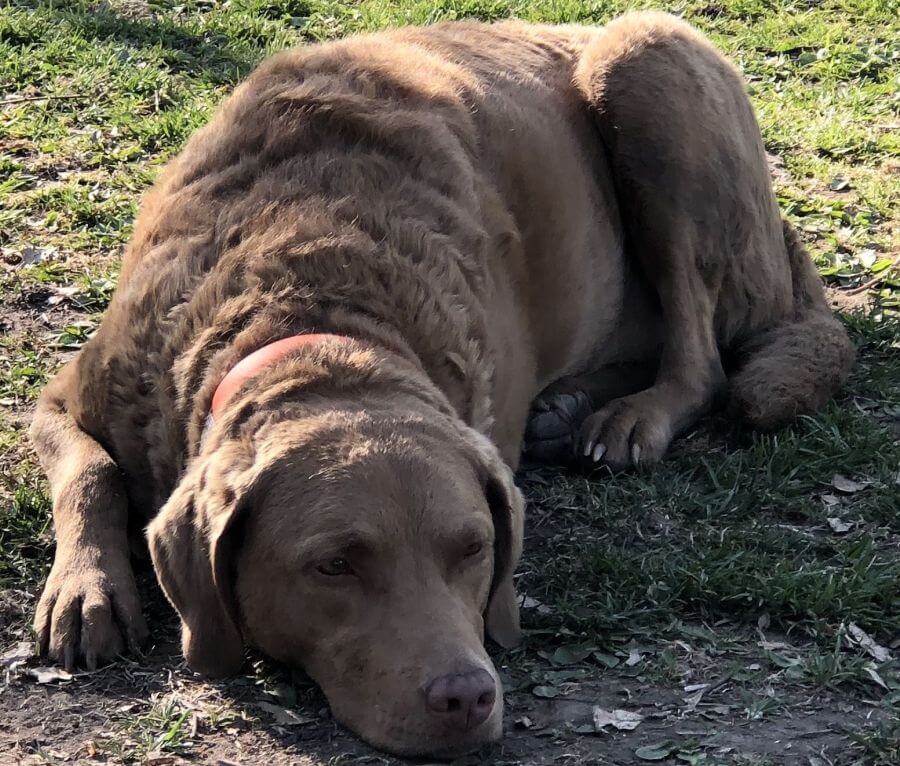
{"points": [[89, 611], [553, 426], [627, 432]]}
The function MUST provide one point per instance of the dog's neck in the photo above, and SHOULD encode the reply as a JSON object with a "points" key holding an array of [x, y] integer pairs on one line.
{"points": [[255, 363], [250, 366], [367, 363]]}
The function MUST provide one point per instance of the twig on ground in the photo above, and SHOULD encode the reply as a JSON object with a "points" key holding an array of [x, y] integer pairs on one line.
{"points": [[22, 99], [874, 280]]}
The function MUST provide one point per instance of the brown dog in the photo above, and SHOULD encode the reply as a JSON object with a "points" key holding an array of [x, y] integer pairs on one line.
{"points": [[436, 224]]}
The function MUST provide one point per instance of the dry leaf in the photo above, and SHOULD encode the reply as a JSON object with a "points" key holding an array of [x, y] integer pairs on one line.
{"points": [[693, 700], [61, 294], [21, 652], [32, 255], [623, 720], [634, 657], [839, 525], [873, 674], [48, 675], [283, 716], [862, 638], [843, 484]]}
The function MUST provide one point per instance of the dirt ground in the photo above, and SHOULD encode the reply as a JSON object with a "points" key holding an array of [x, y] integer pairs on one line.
{"points": [[126, 711]]}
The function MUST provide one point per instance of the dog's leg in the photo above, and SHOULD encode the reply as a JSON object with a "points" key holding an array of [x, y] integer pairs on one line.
{"points": [[689, 169], [89, 609], [558, 412]]}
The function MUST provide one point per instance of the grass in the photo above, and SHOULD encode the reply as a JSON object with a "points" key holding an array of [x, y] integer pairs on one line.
{"points": [[743, 547]]}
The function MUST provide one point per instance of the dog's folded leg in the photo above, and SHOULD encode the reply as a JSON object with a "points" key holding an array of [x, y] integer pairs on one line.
{"points": [[697, 208], [89, 611]]}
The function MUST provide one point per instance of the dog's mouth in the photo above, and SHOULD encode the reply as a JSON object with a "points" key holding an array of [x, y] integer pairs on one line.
{"points": [[424, 739]]}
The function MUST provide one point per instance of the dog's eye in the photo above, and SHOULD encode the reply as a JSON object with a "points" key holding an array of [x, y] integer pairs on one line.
{"points": [[335, 567], [473, 549]]}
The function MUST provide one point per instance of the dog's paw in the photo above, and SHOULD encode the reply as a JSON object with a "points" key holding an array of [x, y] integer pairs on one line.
{"points": [[553, 426], [89, 612], [633, 430]]}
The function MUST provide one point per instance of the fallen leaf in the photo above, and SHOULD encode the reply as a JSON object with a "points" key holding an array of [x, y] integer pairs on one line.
{"points": [[554, 677], [839, 183], [839, 525], [570, 655], [830, 499], [32, 255], [873, 674], [545, 692], [634, 657], [623, 720], [48, 675], [283, 716], [64, 293], [533, 603], [862, 638], [843, 484], [524, 722], [607, 660], [693, 700], [21, 652], [657, 752], [867, 257]]}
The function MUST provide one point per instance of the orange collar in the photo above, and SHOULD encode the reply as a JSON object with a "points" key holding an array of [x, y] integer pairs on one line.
{"points": [[269, 354]]}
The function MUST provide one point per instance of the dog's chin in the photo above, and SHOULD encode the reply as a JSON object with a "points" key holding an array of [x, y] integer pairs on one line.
{"points": [[436, 745], [485, 734]]}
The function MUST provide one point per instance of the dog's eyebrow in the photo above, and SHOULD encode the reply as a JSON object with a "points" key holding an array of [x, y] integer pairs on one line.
{"points": [[469, 530], [335, 542]]}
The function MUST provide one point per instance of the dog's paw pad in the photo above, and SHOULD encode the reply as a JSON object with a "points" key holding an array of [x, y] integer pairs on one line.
{"points": [[553, 426]]}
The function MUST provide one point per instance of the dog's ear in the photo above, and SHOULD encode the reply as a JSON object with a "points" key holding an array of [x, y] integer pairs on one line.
{"points": [[508, 513], [191, 543]]}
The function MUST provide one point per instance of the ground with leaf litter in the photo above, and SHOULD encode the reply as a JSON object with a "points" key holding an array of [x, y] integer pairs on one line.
{"points": [[737, 605]]}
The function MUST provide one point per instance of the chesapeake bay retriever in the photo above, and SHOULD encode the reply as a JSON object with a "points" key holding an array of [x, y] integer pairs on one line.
{"points": [[339, 304]]}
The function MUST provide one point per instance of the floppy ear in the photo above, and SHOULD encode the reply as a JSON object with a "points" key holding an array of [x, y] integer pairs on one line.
{"points": [[508, 512], [191, 549]]}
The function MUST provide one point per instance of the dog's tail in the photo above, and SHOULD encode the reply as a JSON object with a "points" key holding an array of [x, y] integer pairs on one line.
{"points": [[795, 366]]}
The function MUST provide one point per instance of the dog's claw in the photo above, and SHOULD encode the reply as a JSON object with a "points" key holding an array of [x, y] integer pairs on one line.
{"points": [[599, 452], [635, 453]]}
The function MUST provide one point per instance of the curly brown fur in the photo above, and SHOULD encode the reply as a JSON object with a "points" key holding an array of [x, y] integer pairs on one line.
{"points": [[794, 367], [481, 211]]}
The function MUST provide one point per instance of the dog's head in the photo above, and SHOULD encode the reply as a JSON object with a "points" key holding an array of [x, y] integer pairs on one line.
{"points": [[371, 550]]}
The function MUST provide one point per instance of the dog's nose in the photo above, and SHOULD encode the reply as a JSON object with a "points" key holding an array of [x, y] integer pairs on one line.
{"points": [[463, 700]]}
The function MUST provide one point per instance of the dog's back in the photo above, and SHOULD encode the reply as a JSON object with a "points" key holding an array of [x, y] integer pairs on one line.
{"points": [[445, 178]]}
